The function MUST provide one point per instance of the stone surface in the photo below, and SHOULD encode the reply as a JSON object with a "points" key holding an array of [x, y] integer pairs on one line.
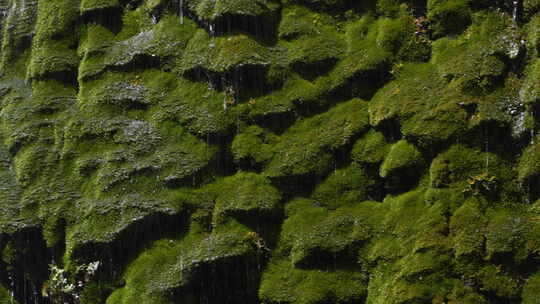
{"points": [[266, 151]]}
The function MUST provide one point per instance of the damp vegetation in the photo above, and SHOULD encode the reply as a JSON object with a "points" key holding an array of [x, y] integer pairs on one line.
{"points": [[269, 151]]}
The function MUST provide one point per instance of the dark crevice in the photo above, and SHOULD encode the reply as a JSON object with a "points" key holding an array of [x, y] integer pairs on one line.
{"points": [[128, 243], [240, 84], [266, 224], [403, 179], [363, 84], [375, 192], [131, 4], [68, 77], [262, 28], [233, 280], [29, 267], [303, 185], [319, 258], [110, 17], [310, 71], [391, 129], [277, 123]]}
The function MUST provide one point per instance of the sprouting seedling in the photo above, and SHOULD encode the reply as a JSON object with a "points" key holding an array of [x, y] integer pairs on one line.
{"points": [[257, 240], [480, 183]]}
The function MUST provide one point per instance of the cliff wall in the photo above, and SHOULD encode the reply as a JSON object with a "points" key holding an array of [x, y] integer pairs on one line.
{"points": [[266, 151]]}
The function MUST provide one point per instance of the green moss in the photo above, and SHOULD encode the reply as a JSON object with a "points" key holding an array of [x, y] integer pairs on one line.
{"points": [[18, 28], [448, 16], [504, 233], [529, 167], [371, 148], [282, 283], [530, 8], [90, 5], [5, 296], [53, 49], [496, 281], [241, 125], [467, 227], [198, 108], [311, 230], [244, 195], [458, 164], [419, 99], [253, 145], [297, 154], [101, 49], [347, 186], [402, 155], [531, 291], [530, 92], [174, 263], [301, 21], [52, 57], [210, 10], [55, 18], [220, 54]]}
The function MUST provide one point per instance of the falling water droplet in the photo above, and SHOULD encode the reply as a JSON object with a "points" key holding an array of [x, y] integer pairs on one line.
{"points": [[181, 12]]}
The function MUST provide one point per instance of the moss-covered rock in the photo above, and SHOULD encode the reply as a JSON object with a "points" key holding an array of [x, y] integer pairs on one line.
{"points": [[448, 16], [299, 151], [402, 156]]}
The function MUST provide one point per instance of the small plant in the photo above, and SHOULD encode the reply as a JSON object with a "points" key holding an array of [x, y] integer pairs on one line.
{"points": [[481, 184], [257, 240], [60, 288]]}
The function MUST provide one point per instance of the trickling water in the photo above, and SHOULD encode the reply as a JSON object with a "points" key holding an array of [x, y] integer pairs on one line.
{"points": [[181, 11], [515, 10], [12, 289], [487, 155]]}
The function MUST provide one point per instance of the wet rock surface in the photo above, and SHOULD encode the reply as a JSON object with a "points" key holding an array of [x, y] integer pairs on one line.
{"points": [[293, 151]]}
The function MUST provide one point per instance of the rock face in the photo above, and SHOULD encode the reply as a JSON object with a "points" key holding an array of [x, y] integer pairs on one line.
{"points": [[267, 151]]}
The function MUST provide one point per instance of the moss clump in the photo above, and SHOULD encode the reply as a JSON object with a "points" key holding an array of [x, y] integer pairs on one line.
{"points": [[53, 50], [530, 8], [323, 233], [210, 10], [448, 16], [199, 109], [530, 92], [503, 234], [343, 187], [483, 67], [17, 30], [223, 53], [296, 154], [282, 283], [300, 21], [455, 166], [529, 167], [253, 145], [225, 152], [5, 296], [499, 283], [530, 291], [372, 148], [244, 195], [91, 5], [53, 57], [175, 264], [402, 156], [422, 103]]}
